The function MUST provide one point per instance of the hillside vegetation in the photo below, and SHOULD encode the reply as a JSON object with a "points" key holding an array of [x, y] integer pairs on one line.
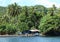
{"points": [[16, 18]]}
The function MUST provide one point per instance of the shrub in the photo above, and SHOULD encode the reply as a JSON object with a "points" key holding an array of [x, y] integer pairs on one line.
{"points": [[22, 26], [11, 29], [48, 23]]}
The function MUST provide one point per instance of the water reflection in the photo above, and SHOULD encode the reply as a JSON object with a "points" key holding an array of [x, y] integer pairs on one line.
{"points": [[29, 39], [8, 39]]}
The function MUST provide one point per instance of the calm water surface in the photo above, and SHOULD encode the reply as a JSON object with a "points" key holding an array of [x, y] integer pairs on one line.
{"points": [[29, 39]]}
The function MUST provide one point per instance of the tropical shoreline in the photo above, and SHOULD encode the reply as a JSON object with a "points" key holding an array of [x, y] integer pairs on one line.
{"points": [[27, 35]]}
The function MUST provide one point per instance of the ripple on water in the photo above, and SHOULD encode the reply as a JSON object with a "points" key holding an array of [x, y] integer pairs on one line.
{"points": [[30, 39]]}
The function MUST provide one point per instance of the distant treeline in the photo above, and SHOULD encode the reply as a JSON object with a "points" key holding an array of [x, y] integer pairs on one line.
{"points": [[15, 18]]}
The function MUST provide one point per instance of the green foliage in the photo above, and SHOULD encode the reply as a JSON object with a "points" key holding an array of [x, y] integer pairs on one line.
{"points": [[22, 17], [48, 23], [13, 9], [7, 29], [30, 24], [22, 26], [3, 10], [15, 18], [2, 29], [11, 29]]}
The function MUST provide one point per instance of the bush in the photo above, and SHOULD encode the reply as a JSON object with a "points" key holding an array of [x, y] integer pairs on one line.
{"points": [[22, 17], [49, 23], [11, 29], [22, 26], [2, 29]]}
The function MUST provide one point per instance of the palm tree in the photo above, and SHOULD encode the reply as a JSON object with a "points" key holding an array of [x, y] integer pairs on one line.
{"points": [[13, 9]]}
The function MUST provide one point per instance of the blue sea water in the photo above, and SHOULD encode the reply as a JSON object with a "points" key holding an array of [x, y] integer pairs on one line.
{"points": [[30, 39]]}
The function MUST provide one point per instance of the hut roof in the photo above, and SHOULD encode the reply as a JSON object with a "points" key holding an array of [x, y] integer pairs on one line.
{"points": [[35, 30]]}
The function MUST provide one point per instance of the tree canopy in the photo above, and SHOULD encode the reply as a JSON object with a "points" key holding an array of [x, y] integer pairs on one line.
{"points": [[14, 18]]}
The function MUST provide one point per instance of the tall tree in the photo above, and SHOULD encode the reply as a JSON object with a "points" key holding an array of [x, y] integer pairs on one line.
{"points": [[14, 9]]}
